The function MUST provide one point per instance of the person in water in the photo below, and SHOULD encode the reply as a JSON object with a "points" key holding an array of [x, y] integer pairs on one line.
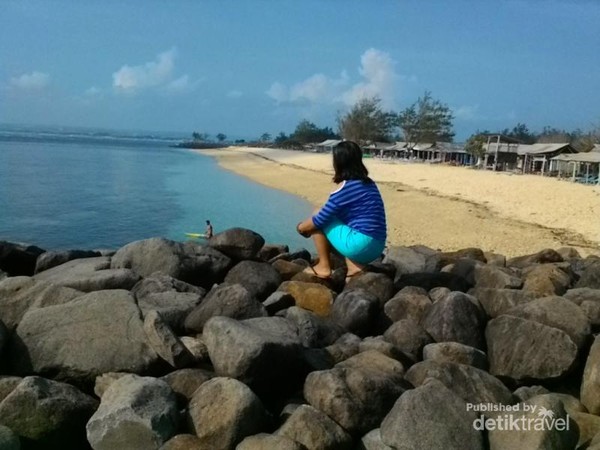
{"points": [[352, 221], [209, 230]]}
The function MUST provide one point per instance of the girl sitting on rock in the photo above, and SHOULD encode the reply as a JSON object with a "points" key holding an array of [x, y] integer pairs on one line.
{"points": [[352, 221]]}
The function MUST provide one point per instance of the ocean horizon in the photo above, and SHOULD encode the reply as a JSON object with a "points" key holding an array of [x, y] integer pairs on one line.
{"points": [[96, 189]]}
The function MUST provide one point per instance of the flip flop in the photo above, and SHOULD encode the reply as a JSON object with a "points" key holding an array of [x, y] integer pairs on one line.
{"points": [[314, 273], [349, 277]]}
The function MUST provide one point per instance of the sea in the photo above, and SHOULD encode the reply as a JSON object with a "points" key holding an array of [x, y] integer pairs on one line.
{"points": [[101, 189]]}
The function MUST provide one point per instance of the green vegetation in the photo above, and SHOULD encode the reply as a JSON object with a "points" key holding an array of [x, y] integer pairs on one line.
{"points": [[426, 120], [367, 122]]}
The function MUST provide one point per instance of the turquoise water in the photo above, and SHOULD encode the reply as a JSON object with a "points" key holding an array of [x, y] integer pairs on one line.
{"points": [[66, 192]]}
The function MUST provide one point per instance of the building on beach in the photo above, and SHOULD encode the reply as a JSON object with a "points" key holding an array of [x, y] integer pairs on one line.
{"points": [[537, 158], [580, 167], [327, 145], [500, 152]]}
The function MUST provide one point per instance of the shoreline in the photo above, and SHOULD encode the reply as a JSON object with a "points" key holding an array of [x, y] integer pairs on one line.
{"points": [[448, 207]]}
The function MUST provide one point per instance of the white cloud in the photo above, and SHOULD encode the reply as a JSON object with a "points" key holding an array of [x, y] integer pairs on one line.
{"points": [[235, 94], [466, 112], [31, 81], [379, 78], [182, 84], [150, 74]]}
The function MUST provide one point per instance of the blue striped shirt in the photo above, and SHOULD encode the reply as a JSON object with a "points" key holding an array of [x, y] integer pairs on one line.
{"points": [[358, 205]]}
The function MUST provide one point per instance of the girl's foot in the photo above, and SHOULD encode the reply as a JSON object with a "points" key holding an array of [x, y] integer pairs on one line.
{"points": [[318, 272]]}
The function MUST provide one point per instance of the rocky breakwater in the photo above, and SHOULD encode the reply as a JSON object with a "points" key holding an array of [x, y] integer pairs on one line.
{"points": [[229, 345]]}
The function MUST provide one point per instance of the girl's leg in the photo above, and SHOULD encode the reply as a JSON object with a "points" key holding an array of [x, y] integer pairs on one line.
{"points": [[323, 267], [353, 267]]}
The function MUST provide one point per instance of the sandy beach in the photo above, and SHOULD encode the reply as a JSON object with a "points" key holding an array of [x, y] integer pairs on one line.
{"points": [[444, 207]]}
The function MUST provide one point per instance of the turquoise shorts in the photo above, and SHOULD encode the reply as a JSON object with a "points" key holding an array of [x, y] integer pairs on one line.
{"points": [[353, 244]]}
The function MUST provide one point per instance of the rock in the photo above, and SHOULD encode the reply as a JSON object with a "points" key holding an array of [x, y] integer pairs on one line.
{"points": [[313, 429], [542, 257], [229, 300], [105, 380], [408, 337], [496, 302], [580, 295], [265, 441], [524, 393], [372, 441], [590, 386], [386, 348], [100, 332], [165, 343], [223, 411], [51, 259], [19, 294], [471, 253], [237, 243], [278, 301], [568, 253], [590, 278], [495, 259], [493, 277], [270, 251], [428, 281], [196, 264], [135, 413], [456, 353], [534, 434], [546, 280], [89, 274], [409, 423], [436, 294], [464, 268], [259, 278], [356, 310], [8, 439], [559, 313], [184, 382], [521, 349], [171, 298], [377, 284], [469, 383], [592, 311], [408, 260], [358, 392], [50, 414], [343, 348], [286, 269], [183, 442], [587, 424], [246, 351], [409, 303], [313, 331], [7, 385], [16, 259], [196, 347], [456, 318], [311, 296]]}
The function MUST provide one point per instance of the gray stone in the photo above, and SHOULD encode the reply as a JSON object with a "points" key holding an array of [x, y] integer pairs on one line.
{"points": [[408, 336], [524, 393], [496, 278], [196, 347], [270, 251], [343, 348], [265, 441], [544, 256], [590, 278], [184, 382], [313, 429], [496, 302], [409, 303], [135, 413], [521, 349], [89, 274], [228, 300], [592, 311], [469, 383], [590, 386], [259, 278], [387, 348], [223, 411], [372, 441], [17, 259], [545, 280], [99, 332], [105, 380], [8, 439], [408, 260], [432, 417], [456, 353], [579, 295], [49, 413], [287, 270], [356, 310], [183, 442], [165, 343], [278, 301], [313, 330], [377, 284], [51, 259], [437, 293], [238, 243], [7, 385]]}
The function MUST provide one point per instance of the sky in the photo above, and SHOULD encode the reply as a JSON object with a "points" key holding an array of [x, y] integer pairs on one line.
{"points": [[244, 68]]}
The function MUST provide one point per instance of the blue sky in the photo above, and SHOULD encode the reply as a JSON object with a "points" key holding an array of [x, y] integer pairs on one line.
{"points": [[248, 67]]}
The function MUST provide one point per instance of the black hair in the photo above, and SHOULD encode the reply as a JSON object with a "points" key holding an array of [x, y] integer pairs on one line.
{"points": [[208, 222], [347, 163]]}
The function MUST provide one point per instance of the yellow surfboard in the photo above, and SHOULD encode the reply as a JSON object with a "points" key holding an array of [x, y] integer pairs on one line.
{"points": [[195, 235]]}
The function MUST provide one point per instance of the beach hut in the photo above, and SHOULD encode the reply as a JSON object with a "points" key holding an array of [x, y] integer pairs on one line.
{"points": [[537, 158], [327, 146], [501, 152], [454, 153], [396, 150], [374, 148], [425, 151], [596, 148], [580, 167]]}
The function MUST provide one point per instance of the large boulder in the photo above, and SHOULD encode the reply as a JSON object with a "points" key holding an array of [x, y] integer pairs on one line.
{"points": [[377, 284], [184, 382], [544, 256], [428, 281], [247, 351], [496, 302], [8, 439], [51, 259], [456, 353], [493, 277], [172, 298], [432, 417], [89, 274], [136, 413], [580, 295], [165, 343], [223, 411], [313, 330], [199, 265], [408, 336], [270, 251], [545, 280], [357, 393], [17, 259], [410, 260], [314, 430], [590, 386], [229, 300], [19, 294], [259, 278], [312, 296], [456, 318], [356, 310], [521, 349], [48, 414], [590, 278], [98, 333], [372, 441], [286, 269], [264, 441], [410, 303], [237, 243], [469, 383]]}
